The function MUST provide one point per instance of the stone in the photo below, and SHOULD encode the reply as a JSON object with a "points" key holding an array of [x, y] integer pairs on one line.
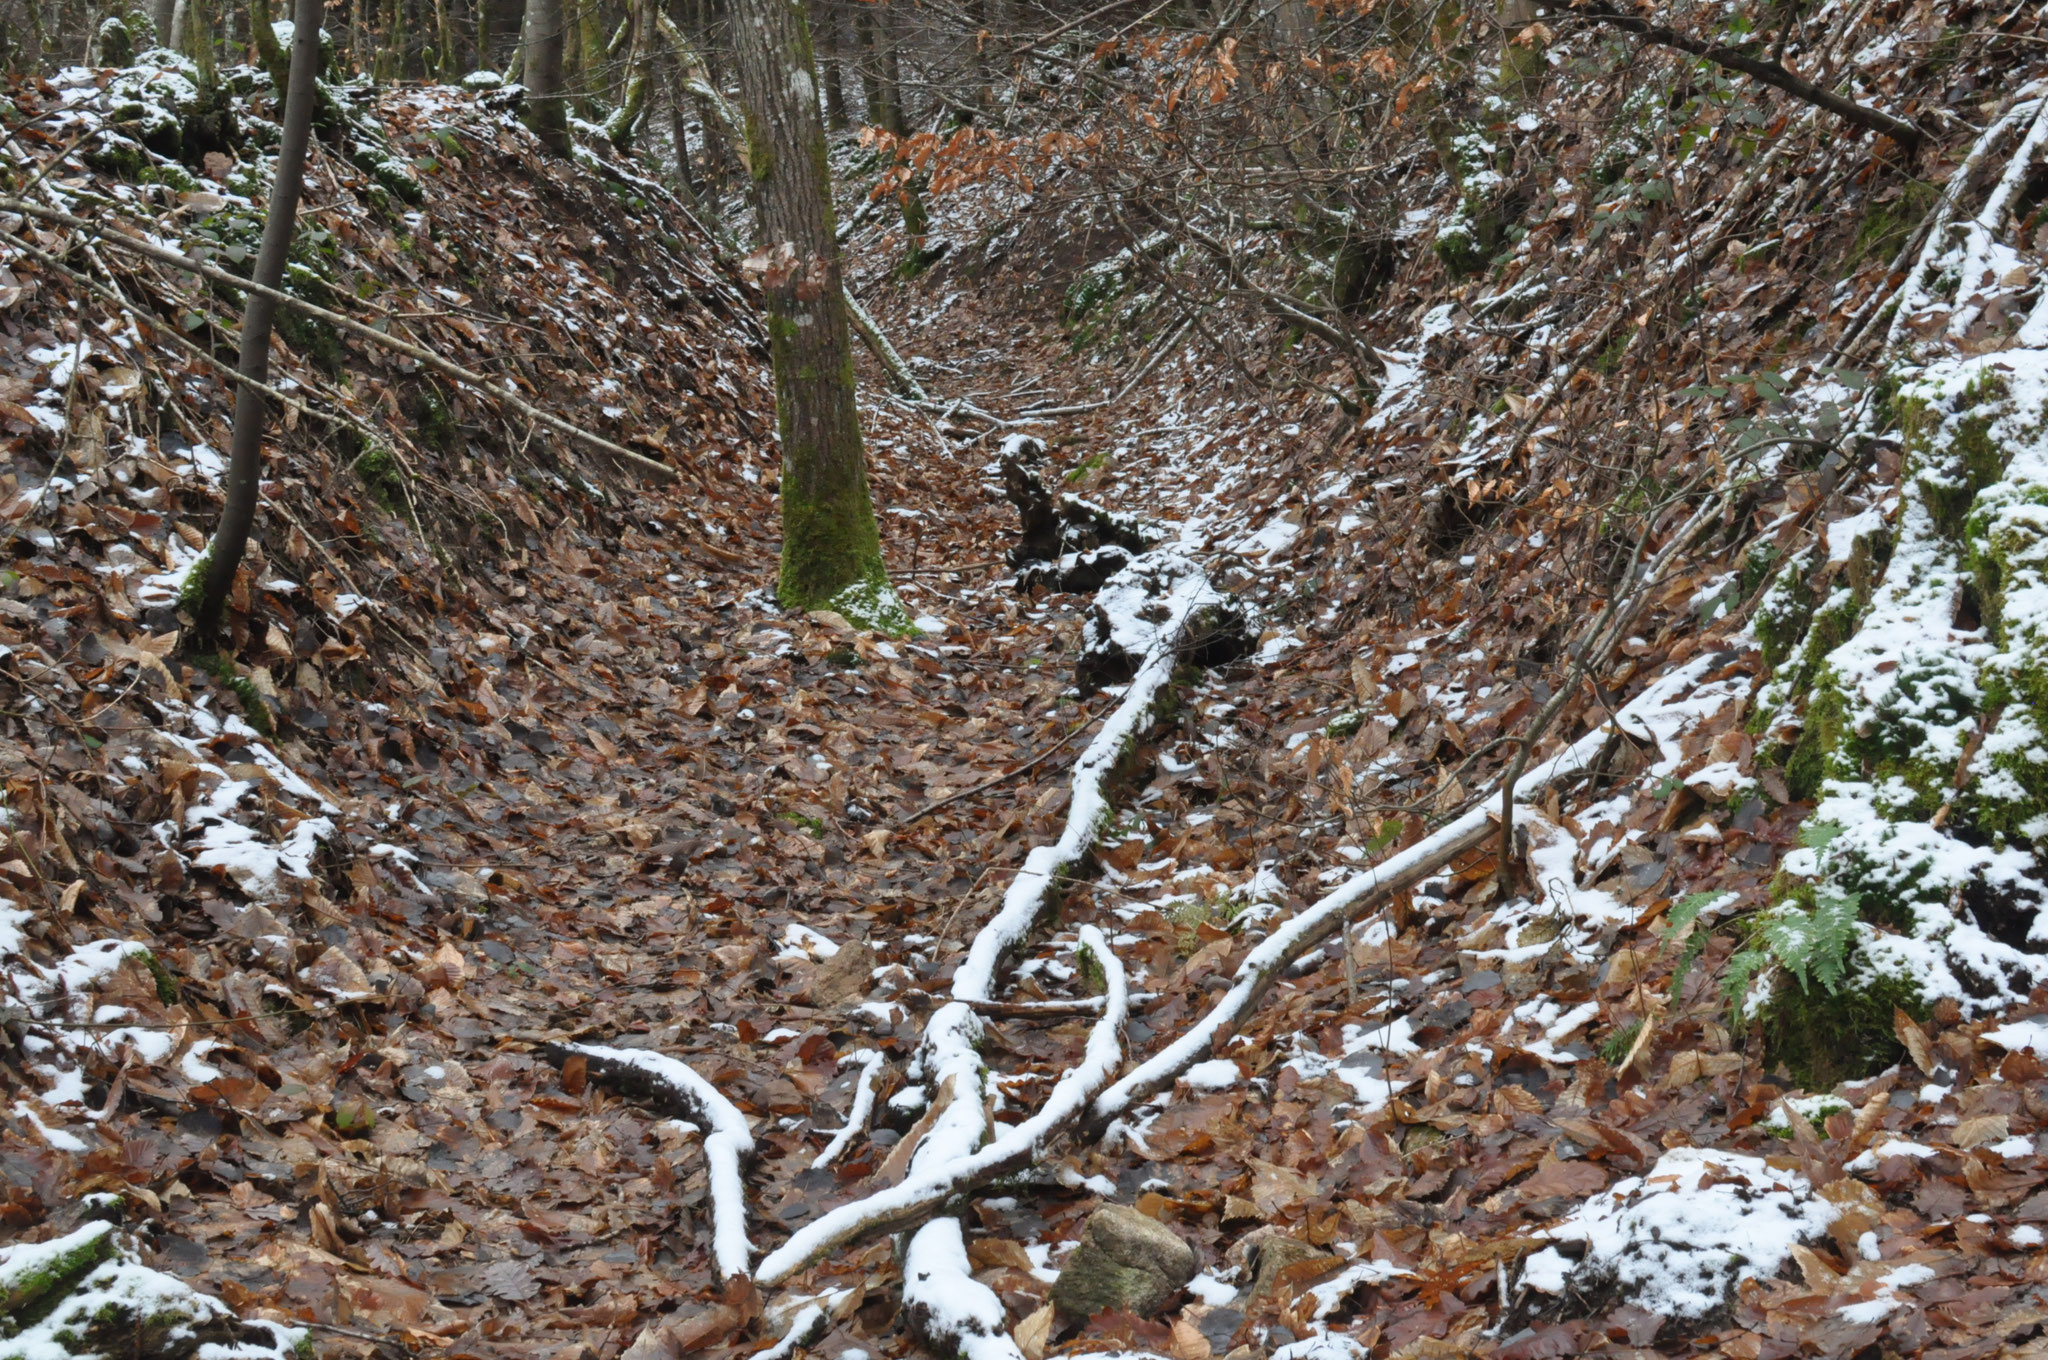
{"points": [[1274, 1253], [1125, 1261]]}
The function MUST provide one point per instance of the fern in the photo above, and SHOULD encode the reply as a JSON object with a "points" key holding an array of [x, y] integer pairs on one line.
{"points": [[1817, 835], [1814, 944], [1694, 947], [1685, 913], [1742, 970]]}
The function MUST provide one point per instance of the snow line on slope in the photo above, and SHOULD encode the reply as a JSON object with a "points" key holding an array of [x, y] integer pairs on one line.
{"points": [[729, 1142], [1015, 1148], [1309, 927]]}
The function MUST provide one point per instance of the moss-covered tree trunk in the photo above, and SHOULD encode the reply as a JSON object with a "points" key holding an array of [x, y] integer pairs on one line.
{"points": [[547, 106], [214, 575], [829, 539]]}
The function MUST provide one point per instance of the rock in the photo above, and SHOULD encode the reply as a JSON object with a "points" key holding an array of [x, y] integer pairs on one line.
{"points": [[1275, 1252], [845, 975], [1125, 1261]]}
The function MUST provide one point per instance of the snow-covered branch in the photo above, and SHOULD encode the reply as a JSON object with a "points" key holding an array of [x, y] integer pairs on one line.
{"points": [[675, 1086], [1014, 1149]]}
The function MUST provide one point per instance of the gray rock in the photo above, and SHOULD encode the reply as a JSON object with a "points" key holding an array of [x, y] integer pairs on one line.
{"points": [[1125, 1260]]}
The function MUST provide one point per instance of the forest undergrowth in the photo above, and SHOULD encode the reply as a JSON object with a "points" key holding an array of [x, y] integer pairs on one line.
{"points": [[1680, 457]]}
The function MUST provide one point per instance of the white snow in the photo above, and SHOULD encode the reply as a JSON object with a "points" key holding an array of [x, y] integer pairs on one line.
{"points": [[729, 1143], [1679, 1238], [120, 1286], [1217, 1074]]}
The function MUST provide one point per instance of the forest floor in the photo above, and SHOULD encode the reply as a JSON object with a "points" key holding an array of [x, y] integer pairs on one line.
{"points": [[580, 780]]}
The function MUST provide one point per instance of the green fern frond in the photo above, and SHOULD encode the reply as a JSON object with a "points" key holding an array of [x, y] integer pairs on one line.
{"points": [[1816, 835]]}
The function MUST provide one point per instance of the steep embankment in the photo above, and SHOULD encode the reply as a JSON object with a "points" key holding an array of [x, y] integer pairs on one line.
{"points": [[1734, 1052]]}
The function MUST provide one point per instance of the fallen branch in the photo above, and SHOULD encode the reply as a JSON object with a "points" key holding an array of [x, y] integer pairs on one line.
{"points": [[1310, 927], [900, 377], [1908, 135], [1159, 351], [922, 1195], [863, 1105], [956, 1313], [1600, 642], [675, 1087], [448, 369], [929, 808]]}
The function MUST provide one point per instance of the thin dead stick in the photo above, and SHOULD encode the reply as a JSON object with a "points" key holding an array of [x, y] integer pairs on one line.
{"points": [[469, 378], [1166, 343], [988, 784]]}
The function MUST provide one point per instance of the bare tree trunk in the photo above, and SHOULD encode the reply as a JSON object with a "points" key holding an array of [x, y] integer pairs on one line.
{"points": [[870, 65], [547, 106], [444, 40], [162, 13], [890, 36], [825, 21], [214, 574], [829, 540], [198, 37]]}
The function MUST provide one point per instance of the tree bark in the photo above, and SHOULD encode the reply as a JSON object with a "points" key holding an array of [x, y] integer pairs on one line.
{"points": [[273, 58], [889, 24], [547, 107], [825, 18], [215, 574], [829, 538], [870, 66]]}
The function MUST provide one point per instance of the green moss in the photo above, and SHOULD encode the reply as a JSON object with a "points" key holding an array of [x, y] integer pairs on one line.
{"points": [[1785, 613], [872, 606], [28, 1293], [1092, 977], [1345, 724], [223, 670], [166, 985], [1822, 1038], [385, 479], [435, 423], [192, 590], [1887, 225]]}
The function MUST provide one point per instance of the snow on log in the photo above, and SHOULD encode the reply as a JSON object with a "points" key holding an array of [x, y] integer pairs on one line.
{"points": [[1308, 928], [863, 1105], [87, 1294], [675, 1087], [949, 1176]]}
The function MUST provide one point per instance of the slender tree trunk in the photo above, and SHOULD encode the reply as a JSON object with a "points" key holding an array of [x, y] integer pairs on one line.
{"points": [[825, 22], [829, 539], [214, 576], [269, 55], [199, 46], [870, 65], [162, 13], [679, 133], [444, 39], [515, 69], [547, 105], [890, 24]]}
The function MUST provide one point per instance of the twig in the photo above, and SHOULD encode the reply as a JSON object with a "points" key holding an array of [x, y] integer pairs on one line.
{"points": [[990, 783], [120, 241]]}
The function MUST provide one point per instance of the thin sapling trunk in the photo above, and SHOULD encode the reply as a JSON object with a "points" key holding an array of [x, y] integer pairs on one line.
{"points": [[213, 576]]}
